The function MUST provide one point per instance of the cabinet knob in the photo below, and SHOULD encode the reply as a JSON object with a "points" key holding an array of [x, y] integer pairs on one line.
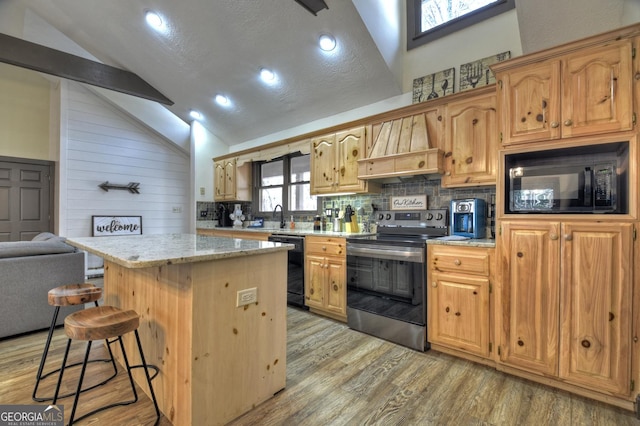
{"points": [[324, 248], [310, 291], [553, 237], [554, 124], [568, 122], [457, 262], [568, 237], [434, 284], [520, 342]]}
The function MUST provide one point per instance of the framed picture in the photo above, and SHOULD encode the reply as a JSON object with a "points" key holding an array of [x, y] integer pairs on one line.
{"points": [[116, 225], [477, 73], [433, 86]]}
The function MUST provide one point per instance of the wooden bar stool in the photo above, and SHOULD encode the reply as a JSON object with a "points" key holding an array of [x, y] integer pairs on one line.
{"points": [[69, 295], [103, 323]]}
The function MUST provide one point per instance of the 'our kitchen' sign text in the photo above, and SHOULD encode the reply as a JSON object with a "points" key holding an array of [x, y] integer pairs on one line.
{"points": [[409, 202]]}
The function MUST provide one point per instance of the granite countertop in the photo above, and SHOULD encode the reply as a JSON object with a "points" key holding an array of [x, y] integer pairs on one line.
{"points": [[143, 251], [302, 230], [465, 243]]}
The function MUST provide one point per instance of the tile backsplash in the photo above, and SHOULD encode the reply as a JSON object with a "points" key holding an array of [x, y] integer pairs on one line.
{"points": [[429, 185]]}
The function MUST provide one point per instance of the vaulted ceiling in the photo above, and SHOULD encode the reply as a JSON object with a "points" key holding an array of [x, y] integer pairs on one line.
{"points": [[219, 46]]}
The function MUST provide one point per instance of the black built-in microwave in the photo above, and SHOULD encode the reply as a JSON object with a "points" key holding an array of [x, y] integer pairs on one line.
{"points": [[587, 179]]}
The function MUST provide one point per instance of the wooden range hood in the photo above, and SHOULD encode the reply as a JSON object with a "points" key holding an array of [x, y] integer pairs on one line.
{"points": [[400, 147]]}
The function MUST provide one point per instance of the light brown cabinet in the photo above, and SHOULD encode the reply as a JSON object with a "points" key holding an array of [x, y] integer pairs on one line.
{"points": [[471, 142], [586, 92], [231, 182], [334, 162], [325, 276], [458, 298], [566, 301]]}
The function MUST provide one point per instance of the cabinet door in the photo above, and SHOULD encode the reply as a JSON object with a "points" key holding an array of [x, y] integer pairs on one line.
{"points": [[529, 299], [596, 305], [350, 148], [597, 91], [459, 312], [219, 180], [336, 289], [315, 282], [323, 172], [230, 180], [529, 103], [472, 142]]}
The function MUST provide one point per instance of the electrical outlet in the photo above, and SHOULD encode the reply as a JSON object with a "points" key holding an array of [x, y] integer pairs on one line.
{"points": [[177, 209], [203, 213], [202, 190], [247, 296]]}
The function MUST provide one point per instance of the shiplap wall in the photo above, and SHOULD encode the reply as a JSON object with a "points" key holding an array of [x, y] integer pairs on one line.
{"points": [[103, 144]]}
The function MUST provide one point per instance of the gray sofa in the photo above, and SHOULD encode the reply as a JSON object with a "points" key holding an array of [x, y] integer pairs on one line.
{"points": [[28, 270]]}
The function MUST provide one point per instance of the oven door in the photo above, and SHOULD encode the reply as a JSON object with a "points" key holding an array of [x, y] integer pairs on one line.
{"points": [[387, 280]]}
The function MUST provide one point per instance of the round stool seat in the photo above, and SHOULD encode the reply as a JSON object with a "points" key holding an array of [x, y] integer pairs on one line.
{"points": [[74, 294], [99, 323]]}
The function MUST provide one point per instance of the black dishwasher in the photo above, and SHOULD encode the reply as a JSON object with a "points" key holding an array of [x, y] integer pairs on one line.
{"points": [[295, 277]]}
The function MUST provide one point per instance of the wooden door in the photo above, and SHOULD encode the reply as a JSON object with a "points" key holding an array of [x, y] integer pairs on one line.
{"points": [[323, 172], [472, 142], [529, 302], [459, 312], [597, 283], [336, 288], [315, 282], [219, 179], [350, 145], [25, 199], [529, 103], [597, 90]]}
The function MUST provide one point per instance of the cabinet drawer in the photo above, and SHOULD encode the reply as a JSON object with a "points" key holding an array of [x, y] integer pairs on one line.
{"points": [[326, 246], [469, 260]]}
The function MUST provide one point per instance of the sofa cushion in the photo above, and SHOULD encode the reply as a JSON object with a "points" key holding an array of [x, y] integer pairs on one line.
{"points": [[34, 248], [45, 236]]}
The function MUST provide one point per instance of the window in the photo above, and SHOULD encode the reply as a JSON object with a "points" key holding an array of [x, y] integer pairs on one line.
{"points": [[428, 20], [285, 181]]}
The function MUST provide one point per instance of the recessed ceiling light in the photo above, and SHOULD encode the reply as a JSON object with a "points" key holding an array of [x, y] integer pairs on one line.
{"points": [[222, 100], [267, 75], [195, 115], [154, 20], [327, 42]]}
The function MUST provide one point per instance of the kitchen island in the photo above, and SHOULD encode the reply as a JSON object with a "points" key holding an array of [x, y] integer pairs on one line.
{"points": [[216, 359]]}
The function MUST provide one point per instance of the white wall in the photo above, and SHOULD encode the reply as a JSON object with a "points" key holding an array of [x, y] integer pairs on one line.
{"points": [[98, 144]]}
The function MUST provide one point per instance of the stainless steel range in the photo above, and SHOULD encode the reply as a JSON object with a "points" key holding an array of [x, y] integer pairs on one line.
{"points": [[387, 276]]}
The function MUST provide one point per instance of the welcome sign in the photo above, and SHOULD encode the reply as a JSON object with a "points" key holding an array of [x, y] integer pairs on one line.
{"points": [[116, 225], [409, 202]]}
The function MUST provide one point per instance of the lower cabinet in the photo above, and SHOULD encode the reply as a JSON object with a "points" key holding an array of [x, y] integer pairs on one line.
{"points": [[326, 276], [566, 302], [458, 295]]}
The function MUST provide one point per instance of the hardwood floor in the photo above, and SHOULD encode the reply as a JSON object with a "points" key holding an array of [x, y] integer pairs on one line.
{"points": [[337, 376]]}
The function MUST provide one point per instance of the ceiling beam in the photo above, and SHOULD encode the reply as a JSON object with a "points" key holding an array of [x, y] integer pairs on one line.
{"points": [[25, 54]]}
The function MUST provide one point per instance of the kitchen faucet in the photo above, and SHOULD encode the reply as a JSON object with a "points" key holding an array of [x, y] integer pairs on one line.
{"points": [[281, 215]]}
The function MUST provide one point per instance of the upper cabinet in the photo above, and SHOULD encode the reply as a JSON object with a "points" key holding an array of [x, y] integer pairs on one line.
{"points": [[231, 182], [334, 162], [471, 142], [584, 92]]}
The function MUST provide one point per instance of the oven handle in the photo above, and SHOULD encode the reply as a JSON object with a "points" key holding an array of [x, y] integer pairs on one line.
{"points": [[411, 254]]}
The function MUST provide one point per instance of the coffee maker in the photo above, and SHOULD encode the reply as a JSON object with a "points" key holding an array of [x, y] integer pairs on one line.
{"points": [[468, 218], [224, 220]]}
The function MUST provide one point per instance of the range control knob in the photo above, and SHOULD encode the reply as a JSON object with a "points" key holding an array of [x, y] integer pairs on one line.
{"points": [[380, 216], [388, 217], [429, 216], [439, 217]]}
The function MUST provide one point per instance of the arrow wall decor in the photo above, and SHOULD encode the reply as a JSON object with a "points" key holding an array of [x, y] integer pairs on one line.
{"points": [[132, 187]]}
